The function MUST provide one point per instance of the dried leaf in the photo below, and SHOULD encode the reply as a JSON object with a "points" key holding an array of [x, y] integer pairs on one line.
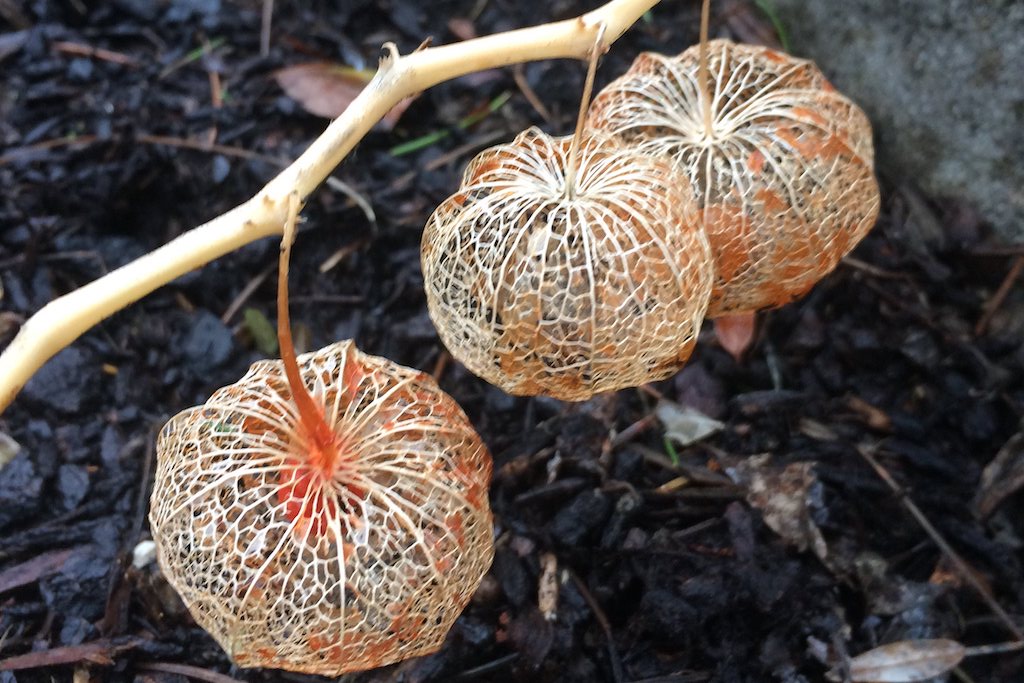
{"points": [[323, 88], [735, 333], [1002, 477], [326, 89], [904, 661], [683, 425], [463, 28], [786, 499]]}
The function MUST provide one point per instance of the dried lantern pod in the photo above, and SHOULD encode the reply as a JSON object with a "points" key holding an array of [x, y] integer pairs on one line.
{"points": [[295, 562], [782, 165], [546, 280]]}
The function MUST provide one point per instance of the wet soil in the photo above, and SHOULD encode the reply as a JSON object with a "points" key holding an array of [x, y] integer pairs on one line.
{"points": [[670, 565]]}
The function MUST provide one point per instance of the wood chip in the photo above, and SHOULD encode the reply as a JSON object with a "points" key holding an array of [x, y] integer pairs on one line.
{"points": [[547, 589]]}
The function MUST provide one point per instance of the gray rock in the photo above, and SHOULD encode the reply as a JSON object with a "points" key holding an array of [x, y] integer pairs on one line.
{"points": [[20, 489], [65, 383], [943, 83], [73, 484], [207, 344]]}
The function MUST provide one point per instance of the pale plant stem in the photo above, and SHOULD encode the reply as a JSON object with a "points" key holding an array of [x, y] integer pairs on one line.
{"points": [[588, 88], [65, 319], [702, 69]]}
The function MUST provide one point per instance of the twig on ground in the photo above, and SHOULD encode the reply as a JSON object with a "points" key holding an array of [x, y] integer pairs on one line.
{"points": [[250, 288], [213, 148], [871, 269], [359, 200], [197, 145], [961, 565], [188, 671], [633, 430], [602, 620], [442, 363], [265, 25], [80, 50], [30, 571], [993, 304], [97, 652], [329, 263], [999, 250], [519, 76], [55, 143], [488, 668]]}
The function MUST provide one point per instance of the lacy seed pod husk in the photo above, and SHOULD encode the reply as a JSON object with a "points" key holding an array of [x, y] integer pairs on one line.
{"points": [[785, 179], [543, 291], [323, 565]]}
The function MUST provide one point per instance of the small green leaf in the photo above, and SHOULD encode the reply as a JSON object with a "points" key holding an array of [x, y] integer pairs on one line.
{"points": [[263, 333], [201, 50], [419, 143], [671, 450], [773, 16], [492, 106], [465, 122]]}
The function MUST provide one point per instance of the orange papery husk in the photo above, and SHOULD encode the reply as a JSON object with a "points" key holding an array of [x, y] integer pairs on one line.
{"points": [[540, 291], [323, 565], [785, 182]]}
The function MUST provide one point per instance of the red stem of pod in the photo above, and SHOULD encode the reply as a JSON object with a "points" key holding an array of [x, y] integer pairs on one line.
{"points": [[310, 413]]}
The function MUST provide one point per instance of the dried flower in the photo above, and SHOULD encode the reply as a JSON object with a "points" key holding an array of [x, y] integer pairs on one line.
{"points": [[548, 278], [293, 560], [780, 162], [323, 514]]}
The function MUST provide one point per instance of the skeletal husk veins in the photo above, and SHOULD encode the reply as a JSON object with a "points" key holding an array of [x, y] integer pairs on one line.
{"points": [[784, 177], [324, 563], [542, 288]]}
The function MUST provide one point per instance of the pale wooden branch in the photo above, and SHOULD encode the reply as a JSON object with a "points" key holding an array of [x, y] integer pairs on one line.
{"points": [[65, 319]]}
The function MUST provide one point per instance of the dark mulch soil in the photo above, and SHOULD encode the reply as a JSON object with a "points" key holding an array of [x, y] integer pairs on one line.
{"points": [[661, 578]]}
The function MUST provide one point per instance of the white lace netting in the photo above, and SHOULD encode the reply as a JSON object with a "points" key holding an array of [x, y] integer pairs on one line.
{"points": [[540, 293], [786, 183], [290, 568]]}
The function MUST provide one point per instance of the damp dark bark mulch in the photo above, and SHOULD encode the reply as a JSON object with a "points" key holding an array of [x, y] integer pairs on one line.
{"points": [[667, 563]]}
